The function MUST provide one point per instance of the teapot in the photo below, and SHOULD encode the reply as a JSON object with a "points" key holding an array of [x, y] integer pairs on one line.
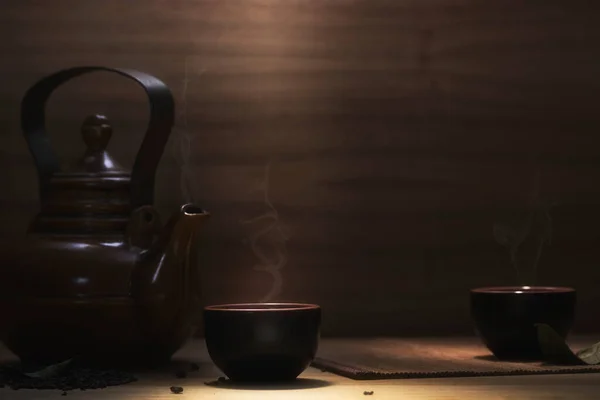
{"points": [[97, 275]]}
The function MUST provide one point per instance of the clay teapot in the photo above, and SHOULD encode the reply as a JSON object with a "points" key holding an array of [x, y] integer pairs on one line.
{"points": [[97, 276]]}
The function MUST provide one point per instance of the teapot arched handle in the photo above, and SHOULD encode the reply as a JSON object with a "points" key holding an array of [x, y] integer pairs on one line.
{"points": [[162, 117]]}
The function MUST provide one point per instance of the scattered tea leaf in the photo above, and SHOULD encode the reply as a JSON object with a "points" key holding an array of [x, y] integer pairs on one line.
{"points": [[368, 393], [49, 371], [554, 347], [74, 377], [176, 389]]}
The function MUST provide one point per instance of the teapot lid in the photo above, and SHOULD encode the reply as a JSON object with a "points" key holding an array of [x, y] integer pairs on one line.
{"points": [[95, 186]]}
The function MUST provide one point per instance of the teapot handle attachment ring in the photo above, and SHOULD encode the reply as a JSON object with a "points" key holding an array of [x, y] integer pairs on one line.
{"points": [[162, 118]]}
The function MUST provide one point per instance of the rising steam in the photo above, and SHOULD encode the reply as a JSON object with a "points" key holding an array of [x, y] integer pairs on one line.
{"points": [[182, 140], [268, 242], [527, 233]]}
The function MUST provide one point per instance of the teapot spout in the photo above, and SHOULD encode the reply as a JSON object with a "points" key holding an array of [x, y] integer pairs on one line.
{"points": [[168, 267], [179, 233]]}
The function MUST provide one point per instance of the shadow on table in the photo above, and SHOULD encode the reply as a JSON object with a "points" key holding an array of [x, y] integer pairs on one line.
{"points": [[492, 358], [300, 383], [487, 357]]}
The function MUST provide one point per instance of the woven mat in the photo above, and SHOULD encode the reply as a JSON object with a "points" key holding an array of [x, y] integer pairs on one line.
{"points": [[406, 358]]}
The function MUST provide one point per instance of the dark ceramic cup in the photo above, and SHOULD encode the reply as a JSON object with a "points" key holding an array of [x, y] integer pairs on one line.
{"points": [[262, 342], [505, 317]]}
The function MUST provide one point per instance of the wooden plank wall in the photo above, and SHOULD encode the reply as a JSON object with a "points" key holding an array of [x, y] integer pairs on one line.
{"points": [[391, 134]]}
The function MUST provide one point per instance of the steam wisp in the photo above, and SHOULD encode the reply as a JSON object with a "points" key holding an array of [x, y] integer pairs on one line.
{"points": [[533, 229], [182, 139], [268, 242], [269, 236]]}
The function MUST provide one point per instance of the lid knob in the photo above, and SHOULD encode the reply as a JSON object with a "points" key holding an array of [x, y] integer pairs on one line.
{"points": [[96, 132]]}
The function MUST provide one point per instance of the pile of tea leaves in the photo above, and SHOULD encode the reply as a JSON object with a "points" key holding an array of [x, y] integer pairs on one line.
{"points": [[64, 376]]}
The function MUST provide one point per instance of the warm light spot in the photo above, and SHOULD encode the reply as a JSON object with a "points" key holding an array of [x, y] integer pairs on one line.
{"points": [[79, 245], [81, 280], [519, 291], [111, 244]]}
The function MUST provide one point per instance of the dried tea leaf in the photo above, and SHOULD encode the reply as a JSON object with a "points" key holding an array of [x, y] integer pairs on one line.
{"points": [[176, 389], [50, 371], [554, 347], [74, 377]]}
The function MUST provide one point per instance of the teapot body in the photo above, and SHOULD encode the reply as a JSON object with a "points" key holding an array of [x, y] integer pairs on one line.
{"points": [[64, 296], [71, 296]]}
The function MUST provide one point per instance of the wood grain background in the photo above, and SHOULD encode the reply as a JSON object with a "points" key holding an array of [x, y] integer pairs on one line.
{"points": [[395, 133]]}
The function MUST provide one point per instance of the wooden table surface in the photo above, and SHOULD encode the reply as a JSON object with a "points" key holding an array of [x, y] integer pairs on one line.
{"points": [[319, 385]]}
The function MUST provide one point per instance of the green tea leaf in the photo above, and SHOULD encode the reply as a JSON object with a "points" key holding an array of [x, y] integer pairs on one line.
{"points": [[554, 347], [591, 355]]}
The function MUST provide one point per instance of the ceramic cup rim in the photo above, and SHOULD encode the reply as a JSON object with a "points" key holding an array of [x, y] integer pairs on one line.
{"points": [[262, 307], [532, 290]]}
